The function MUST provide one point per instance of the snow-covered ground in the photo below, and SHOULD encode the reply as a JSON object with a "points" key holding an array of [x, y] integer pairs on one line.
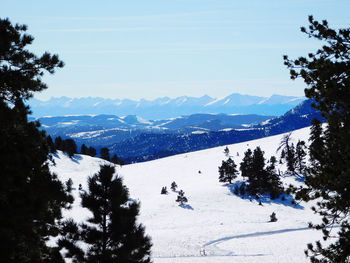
{"points": [[229, 228]]}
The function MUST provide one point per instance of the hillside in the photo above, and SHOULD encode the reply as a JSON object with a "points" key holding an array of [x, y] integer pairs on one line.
{"points": [[229, 228]]}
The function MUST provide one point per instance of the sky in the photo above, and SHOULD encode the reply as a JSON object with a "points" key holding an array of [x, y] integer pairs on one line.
{"points": [[148, 49]]}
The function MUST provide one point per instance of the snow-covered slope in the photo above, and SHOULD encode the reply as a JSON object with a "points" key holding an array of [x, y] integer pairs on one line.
{"points": [[227, 227]]}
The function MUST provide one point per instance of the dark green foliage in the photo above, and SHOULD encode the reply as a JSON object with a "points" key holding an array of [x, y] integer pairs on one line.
{"points": [[300, 156], [181, 198], [50, 144], [58, 143], [228, 171], [273, 217], [316, 148], [31, 197], [21, 70], [327, 74], [84, 150], [260, 180], [273, 183], [246, 164], [92, 151], [115, 159], [227, 151], [173, 186], [104, 154], [288, 152], [112, 233], [164, 191], [69, 147]]}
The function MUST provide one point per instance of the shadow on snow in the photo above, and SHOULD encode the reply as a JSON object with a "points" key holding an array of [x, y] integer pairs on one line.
{"points": [[266, 198]]}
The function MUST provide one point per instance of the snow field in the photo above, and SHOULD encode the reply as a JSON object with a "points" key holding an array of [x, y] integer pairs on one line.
{"points": [[229, 228]]}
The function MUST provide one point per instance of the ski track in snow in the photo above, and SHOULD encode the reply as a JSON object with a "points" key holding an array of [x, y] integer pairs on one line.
{"points": [[213, 245]]}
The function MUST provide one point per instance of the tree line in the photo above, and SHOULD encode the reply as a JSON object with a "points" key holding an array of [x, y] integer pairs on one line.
{"points": [[69, 147]]}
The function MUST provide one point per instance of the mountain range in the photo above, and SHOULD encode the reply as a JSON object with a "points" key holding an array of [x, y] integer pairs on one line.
{"points": [[135, 139], [165, 107]]}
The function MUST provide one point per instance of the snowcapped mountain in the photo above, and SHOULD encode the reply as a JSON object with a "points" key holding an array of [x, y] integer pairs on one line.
{"points": [[135, 139], [165, 107], [227, 227]]}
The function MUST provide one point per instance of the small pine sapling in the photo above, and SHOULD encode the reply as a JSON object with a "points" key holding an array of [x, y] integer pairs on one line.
{"points": [[181, 198], [273, 217], [173, 186], [164, 191], [227, 151]]}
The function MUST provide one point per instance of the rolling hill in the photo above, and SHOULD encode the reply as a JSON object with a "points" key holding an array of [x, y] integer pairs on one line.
{"points": [[227, 227]]}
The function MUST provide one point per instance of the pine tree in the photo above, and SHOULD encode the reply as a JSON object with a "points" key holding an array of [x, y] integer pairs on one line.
{"points": [[115, 159], [273, 217], [84, 149], [273, 185], [227, 151], [164, 191], [300, 156], [104, 154], [173, 186], [291, 159], [327, 74], [59, 143], [181, 198], [112, 233], [257, 178], [69, 147], [288, 152], [228, 171], [246, 164], [260, 180], [31, 197], [317, 143], [92, 151], [50, 144]]}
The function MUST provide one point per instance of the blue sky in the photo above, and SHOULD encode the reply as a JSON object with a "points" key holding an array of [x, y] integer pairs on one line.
{"points": [[154, 48]]}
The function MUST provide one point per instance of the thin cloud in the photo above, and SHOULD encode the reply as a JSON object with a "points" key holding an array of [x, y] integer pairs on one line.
{"points": [[118, 29]]}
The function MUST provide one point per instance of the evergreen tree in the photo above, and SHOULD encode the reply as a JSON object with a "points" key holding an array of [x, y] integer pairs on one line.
{"points": [[84, 150], [59, 143], [181, 198], [69, 147], [257, 178], [227, 151], [300, 156], [164, 191], [327, 74], [317, 143], [246, 164], [115, 159], [92, 151], [273, 217], [112, 233], [273, 185], [50, 144], [260, 180], [228, 171], [288, 152], [173, 186], [31, 197], [104, 154]]}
